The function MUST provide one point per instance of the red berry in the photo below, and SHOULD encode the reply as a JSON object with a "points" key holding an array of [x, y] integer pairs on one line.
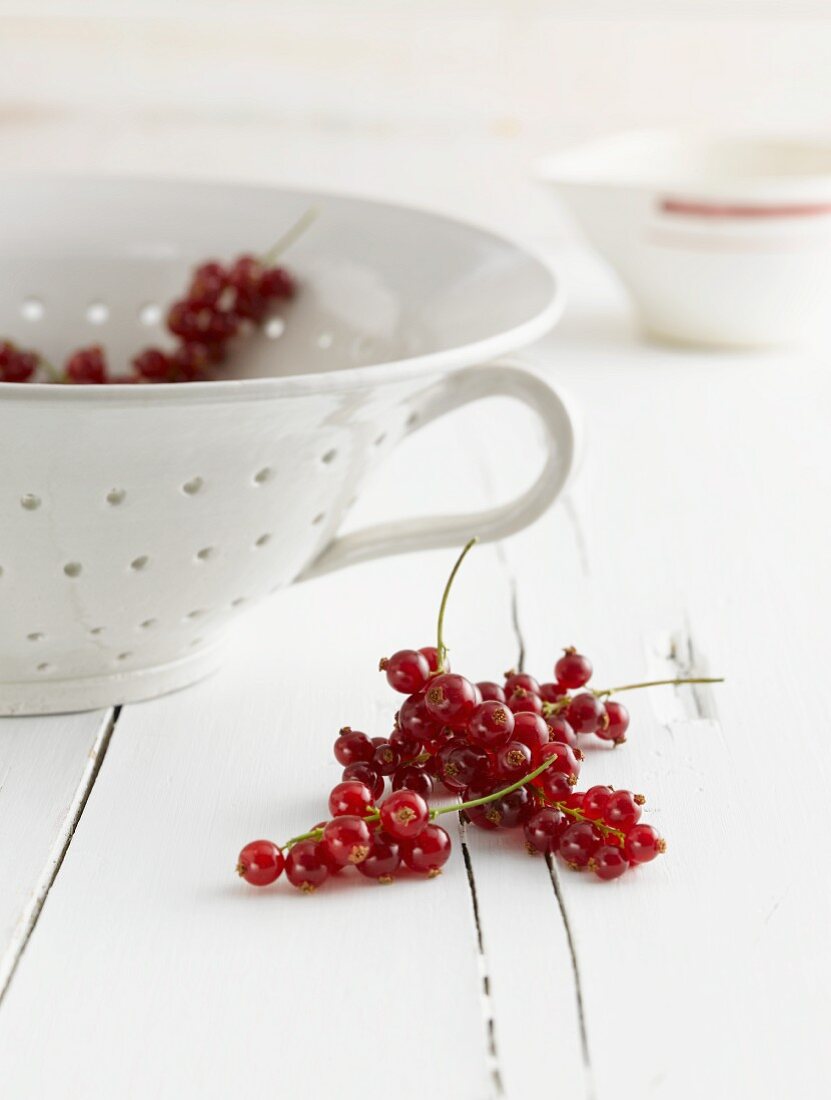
{"points": [[532, 731], [575, 800], [491, 725], [560, 730], [87, 367], [407, 670], [190, 360], [561, 775], [451, 699], [429, 852], [489, 690], [616, 724], [623, 810], [153, 365], [432, 656], [405, 744], [352, 747], [208, 282], [383, 860], [366, 774], [551, 693], [307, 865], [350, 797], [462, 765], [585, 713], [544, 829], [573, 670], [522, 700], [594, 802], [16, 365], [642, 844], [275, 282], [415, 718], [579, 843], [608, 863], [513, 761], [386, 758], [404, 814], [514, 680], [246, 273], [347, 839], [260, 863], [414, 777]]}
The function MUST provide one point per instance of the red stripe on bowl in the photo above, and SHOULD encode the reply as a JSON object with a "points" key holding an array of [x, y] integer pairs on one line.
{"points": [[695, 208]]}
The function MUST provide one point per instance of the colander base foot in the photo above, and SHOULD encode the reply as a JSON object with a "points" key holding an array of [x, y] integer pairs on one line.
{"points": [[96, 692]]}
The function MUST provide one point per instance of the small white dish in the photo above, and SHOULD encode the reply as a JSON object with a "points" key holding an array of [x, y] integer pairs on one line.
{"points": [[136, 521], [721, 241]]}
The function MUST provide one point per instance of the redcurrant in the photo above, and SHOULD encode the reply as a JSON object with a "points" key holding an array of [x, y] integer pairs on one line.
{"points": [[260, 863], [429, 852], [404, 814], [306, 866], [407, 670], [347, 839], [573, 670], [490, 725]]}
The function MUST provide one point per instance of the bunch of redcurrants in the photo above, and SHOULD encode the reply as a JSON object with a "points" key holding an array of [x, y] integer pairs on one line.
{"points": [[508, 750]]}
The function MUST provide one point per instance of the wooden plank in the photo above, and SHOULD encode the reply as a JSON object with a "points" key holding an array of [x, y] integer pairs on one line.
{"points": [[701, 507], [47, 766], [189, 971]]}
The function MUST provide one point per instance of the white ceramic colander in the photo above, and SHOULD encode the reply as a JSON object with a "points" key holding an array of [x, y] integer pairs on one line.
{"points": [[137, 520]]}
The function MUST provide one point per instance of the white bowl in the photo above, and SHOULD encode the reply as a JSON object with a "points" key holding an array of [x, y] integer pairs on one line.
{"points": [[137, 520], [721, 241]]}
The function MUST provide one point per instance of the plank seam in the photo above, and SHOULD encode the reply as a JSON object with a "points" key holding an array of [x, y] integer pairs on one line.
{"points": [[575, 966], [487, 1000], [29, 918]]}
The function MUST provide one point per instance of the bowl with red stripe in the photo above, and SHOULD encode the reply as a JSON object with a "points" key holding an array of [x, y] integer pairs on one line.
{"points": [[721, 241]]}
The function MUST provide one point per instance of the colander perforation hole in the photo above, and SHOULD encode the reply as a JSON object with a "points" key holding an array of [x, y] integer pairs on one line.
{"points": [[263, 539], [411, 420], [97, 313], [275, 328], [139, 563], [116, 497], [193, 486], [30, 502], [150, 314], [124, 656], [73, 569], [238, 602], [197, 613], [319, 518], [195, 642], [148, 624], [44, 666], [35, 636], [264, 475], [32, 309], [206, 553], [96, 630], [329, 457], [325, 341], [379, 440]]}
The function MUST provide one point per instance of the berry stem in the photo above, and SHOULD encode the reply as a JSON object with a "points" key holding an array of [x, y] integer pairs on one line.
{"points": [[494, 795], [290, 236], [659, 683], [578, 815], [440, 646]]}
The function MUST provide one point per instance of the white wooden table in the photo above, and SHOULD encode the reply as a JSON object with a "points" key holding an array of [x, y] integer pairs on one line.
{"points": [[695, 537]]}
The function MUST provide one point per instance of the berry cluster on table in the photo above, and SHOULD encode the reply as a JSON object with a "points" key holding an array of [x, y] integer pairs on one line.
{"points": [[509, 750]]}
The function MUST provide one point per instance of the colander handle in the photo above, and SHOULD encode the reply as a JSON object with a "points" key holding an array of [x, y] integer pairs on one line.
{"points": [[503, 378]]}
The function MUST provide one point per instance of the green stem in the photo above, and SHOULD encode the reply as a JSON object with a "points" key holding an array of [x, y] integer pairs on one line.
{"points": [[290, 236], [316, 834], [494, 795], [660, 683], [440, 647]]}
